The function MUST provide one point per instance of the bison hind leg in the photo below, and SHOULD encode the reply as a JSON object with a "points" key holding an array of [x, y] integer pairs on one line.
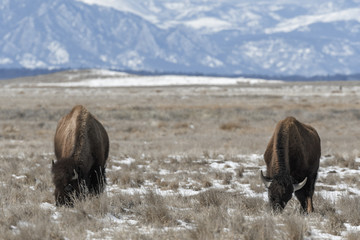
{"points": [[97, 180]]}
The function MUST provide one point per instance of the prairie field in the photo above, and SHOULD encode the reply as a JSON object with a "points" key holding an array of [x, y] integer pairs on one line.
{"points": [[184, 161]]}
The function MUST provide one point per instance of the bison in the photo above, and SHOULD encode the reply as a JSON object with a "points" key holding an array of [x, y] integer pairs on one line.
{"points": [[292, 160], [81, 148]]}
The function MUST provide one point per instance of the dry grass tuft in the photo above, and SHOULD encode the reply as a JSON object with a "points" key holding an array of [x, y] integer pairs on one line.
{"points": [[257, 187], [230, 126], [124, 204], [238, 223], [225, 177], [352, 236], [349, 206], [210, 224], [28, 222], [335, 224], [295, 227], [154, 211], [97, 206], [323, 206], [253, 205], [332, 179], [263, 228], [211, 197], [342, 160], [240, 171]]}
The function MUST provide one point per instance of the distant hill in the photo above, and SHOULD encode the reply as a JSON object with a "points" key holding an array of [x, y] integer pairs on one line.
{"points": [[268, 38], [23, 72]]}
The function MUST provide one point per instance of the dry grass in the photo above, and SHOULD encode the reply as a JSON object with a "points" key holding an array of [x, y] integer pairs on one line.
{"points": [[262, 228], [210, 224], [230, 126], [352, 236], [212, 197], [349, 208], [335, 223], [193, 175], [342, 160], [324, 206], [295, 227], [154, 211]]}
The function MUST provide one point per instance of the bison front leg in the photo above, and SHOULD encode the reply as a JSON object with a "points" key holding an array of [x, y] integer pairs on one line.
{"points": [[302, 199], [305, 201], [97, 180], [305, 195]]}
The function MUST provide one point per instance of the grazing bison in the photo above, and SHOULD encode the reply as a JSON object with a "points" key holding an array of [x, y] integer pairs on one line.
{"points": [[292, 161], [81, 149]]}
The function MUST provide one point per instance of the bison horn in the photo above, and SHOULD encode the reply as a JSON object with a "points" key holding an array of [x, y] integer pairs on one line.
{"points": [[76, 176], [298, 186], [265, 180]]}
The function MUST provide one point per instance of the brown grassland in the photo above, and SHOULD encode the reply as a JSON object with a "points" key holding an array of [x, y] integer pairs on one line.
{"points": [[179, 163]]}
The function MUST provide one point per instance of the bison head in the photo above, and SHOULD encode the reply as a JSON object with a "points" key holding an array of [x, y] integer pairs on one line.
{"points": [[280, 190], [67, 182]]}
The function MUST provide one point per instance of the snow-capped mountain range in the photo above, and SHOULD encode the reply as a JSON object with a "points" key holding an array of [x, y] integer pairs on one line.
{"points": [[228, 37]]}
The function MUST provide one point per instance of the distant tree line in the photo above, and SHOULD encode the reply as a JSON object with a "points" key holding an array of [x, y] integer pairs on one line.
{"points": [[289, 78], [24, 72]]}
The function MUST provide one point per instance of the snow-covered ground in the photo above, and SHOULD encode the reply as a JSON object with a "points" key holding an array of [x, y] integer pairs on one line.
{"points": [[179, 143], [242, 86], [250, 163], [107, 78]]}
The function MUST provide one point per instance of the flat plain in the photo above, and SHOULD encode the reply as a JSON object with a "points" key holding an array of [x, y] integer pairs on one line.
{"points": [[184, 160]]}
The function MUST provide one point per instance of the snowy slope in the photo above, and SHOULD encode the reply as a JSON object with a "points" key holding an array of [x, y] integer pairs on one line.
{"points": [[282, 37], [231, 14], [105, 78]]}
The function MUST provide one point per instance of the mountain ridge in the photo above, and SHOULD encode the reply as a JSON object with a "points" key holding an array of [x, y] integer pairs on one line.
{"points": [[211, 38]]}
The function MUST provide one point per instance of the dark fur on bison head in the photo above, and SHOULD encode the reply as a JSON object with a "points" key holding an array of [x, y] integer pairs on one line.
{"points": [[67, 181], [280, 190]]}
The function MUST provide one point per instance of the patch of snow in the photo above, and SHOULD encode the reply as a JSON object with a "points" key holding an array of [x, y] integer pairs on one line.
{"points": [[339, 51], [113, 219], [127, 6], [30, 61], [319, 235], [131, 59], [188, 192], [18, 177], [104, 58], [352, 228], [89, 234], [58, 54], [251, 157], [296, 23], [163, 172], [227, 166], [115, 168], [47, 206], [5, 61], [174, 5], [127, 161], [149, 81], [108, 73], [208, 23], [211, 62], [183, 224]]}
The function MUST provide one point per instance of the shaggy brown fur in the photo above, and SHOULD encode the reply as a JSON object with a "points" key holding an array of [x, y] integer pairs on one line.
{"points": [[81, 149], [292, 155]]}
